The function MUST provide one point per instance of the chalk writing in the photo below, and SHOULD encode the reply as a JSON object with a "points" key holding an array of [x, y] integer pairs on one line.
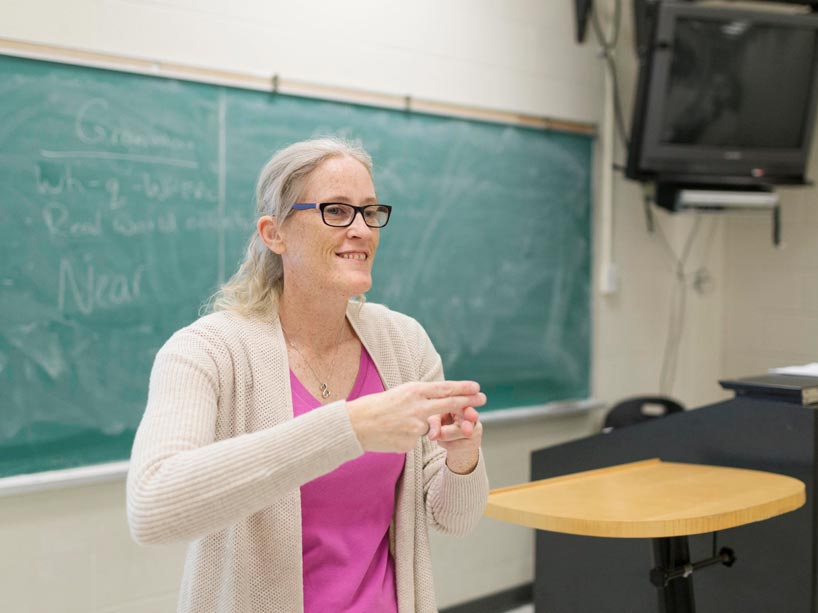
{"points": [[91, 131], [112, 187], [58, 223], [49, 183], [129, 157], [127, 226], [55, 180], [89, 289], [169, 186], [230, 221]]}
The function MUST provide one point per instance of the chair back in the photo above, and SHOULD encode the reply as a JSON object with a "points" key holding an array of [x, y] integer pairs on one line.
{"points": [[639, 409]]}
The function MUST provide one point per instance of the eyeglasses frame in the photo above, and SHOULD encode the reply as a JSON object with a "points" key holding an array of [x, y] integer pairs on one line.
{"points": [[303, 206]]}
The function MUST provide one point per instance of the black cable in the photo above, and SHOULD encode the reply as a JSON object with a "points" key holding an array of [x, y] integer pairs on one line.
{"points": [[617, 24], [689, 244], [607, 49], [646, 200], [677, 310]]}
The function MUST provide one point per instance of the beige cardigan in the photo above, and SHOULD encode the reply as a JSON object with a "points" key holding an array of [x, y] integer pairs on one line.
{"points": [[218, 460]]}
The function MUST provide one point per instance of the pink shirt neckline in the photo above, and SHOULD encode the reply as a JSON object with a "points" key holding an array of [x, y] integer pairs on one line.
{"points": [[306, 397], [345, 519]]}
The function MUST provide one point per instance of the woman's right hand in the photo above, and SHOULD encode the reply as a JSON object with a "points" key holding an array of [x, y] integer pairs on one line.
{"points": [[392, 421]]}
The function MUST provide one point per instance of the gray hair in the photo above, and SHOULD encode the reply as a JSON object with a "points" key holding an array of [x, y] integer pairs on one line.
{"points": [[257, 285]]}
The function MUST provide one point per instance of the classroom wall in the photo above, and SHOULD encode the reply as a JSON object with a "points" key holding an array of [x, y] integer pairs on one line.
{"points": [[771, 295], [749, 305], [71, 551], [513, 55]]}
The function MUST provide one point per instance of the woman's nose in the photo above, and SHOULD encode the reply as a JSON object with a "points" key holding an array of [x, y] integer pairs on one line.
{"points": [[358, 225]]}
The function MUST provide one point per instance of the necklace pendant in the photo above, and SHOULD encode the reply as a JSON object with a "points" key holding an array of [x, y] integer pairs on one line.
{"points": [[324, 391]]}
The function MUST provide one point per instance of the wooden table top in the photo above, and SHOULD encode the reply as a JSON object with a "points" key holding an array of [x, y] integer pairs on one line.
{"points": [[647, 499]]}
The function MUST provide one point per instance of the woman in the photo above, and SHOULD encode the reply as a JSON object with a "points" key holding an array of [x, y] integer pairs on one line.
{"points": [[301, 440]]}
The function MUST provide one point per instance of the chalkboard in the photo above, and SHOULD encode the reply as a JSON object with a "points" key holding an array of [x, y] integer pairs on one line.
{"points": [[126, 199]]}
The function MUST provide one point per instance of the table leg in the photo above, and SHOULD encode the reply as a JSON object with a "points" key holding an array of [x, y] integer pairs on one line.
{"points": [[677, 595]]}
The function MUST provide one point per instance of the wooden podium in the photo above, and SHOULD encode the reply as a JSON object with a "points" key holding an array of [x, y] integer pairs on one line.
{"points": [[663, 501]]}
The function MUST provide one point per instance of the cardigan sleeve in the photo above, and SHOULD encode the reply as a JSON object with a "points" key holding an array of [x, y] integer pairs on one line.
{"points": [[183, 484], [454, 503]]}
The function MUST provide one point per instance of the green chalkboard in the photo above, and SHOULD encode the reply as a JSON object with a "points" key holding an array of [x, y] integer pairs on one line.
{"points": [[126, 199]]}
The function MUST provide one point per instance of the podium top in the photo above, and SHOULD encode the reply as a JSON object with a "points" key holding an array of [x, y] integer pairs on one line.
{"points": [[647, 499]]}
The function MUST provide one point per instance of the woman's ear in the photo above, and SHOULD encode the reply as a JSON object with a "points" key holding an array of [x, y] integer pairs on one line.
{"points": [[270, 233]]}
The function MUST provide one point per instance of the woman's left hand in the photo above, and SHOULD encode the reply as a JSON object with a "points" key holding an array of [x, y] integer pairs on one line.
{"points": [[460, 437]]}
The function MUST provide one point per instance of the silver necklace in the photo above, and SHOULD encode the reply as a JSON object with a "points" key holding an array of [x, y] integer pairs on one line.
{"points": [[323, 386]]}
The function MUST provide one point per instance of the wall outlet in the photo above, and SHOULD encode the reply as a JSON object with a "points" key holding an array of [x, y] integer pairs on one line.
{"points": [[609, 279]]}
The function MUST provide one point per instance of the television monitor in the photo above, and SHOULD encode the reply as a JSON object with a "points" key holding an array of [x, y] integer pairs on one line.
{"points": [[725, 97]]}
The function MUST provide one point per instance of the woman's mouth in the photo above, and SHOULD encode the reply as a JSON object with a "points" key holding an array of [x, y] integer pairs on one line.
{"points": [[353, 255]]}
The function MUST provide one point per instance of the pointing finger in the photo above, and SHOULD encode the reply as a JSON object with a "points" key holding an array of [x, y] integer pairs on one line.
{"points": [[455, 405], [444, 389]]}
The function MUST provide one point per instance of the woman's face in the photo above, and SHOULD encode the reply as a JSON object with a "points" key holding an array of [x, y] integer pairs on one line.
{"points": [[321, 258]]}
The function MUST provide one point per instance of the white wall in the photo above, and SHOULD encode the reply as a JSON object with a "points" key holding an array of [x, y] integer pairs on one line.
{"points": [[758, 310], [771, 304], [68, 550], [506, 54]]}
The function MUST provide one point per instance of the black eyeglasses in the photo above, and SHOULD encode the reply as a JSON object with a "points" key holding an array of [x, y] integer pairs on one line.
{"points": [[341, 215]]}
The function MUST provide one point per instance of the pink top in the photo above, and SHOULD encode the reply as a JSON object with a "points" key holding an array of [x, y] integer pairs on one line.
{"points": [[345, 517]]}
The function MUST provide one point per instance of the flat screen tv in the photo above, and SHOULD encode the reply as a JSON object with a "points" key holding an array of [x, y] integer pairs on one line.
{"points": [[725, 97]]}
